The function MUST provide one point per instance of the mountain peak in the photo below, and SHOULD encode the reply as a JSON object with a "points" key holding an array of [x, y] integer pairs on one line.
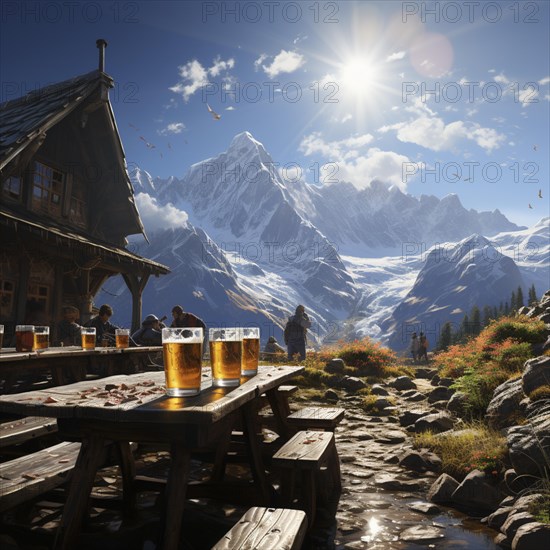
{"points": [[244, 139]]}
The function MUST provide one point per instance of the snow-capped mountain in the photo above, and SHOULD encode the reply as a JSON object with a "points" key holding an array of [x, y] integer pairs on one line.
{"points": [[454, 278], [254, 246]]}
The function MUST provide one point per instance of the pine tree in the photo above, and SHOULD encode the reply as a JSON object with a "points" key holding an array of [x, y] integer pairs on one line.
{"points": [[506, 309], [475, 322], [464, 329], [532, 296], [495, 312], [519, 298], [445, 338], [513, 302], [487, 315]]}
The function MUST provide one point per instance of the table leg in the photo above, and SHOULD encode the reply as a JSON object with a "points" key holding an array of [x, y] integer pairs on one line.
{"points": [[255, 453], [82, 479], [175, 495], [128, 471], [281, 410]]}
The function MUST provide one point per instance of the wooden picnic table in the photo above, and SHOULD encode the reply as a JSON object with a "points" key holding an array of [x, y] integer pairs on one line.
{"points": [[71, 363], [135, 408]]}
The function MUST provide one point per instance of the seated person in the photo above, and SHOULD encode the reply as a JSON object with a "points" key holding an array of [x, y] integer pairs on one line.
{"points": [[104, 329], [150, 333], [68, 330], [273, 347]]}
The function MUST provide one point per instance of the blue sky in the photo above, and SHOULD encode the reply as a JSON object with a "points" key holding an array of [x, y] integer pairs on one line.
{"points": [[435, 97]]}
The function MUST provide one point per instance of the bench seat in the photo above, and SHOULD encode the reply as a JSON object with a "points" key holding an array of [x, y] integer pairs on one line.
{"points": [[25, 429], [266, 529], [323, 418]]}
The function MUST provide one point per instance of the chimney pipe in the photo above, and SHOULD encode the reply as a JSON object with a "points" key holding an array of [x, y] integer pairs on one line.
{"points": [[101, 45]]}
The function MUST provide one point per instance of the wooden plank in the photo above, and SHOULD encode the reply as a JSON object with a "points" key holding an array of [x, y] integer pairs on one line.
{"points": [[306, 449], [24, 429], [29, 476], [266, 529], [318, 417]]}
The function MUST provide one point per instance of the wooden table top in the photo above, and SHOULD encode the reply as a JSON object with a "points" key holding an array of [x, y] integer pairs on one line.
{"points": [[9, 354], [142, 398]]}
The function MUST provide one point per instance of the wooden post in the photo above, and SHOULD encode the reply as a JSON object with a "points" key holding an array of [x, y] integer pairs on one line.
{"points": [[135, 286]]}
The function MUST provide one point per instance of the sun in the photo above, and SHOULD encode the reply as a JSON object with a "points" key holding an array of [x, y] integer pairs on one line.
{"points": [[359, 76]]}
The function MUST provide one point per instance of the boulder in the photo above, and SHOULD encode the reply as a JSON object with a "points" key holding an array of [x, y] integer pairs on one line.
{"points": [[403, 383], [331, 395], [413, 461], [414, 396], [476, 494], [442, 489], [457, 404], [497, 519], [505, 403], [536, 373], [352, 383], [447, 382], [335, 366], [408, 418], [436, 423], [514, 521], [503, 541], [378, 389], [425, 373], [531, 536], [440, 393]]}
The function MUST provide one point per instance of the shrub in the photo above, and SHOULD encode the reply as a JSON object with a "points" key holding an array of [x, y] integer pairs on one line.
{"points": [[542, 392], [520, 328]]}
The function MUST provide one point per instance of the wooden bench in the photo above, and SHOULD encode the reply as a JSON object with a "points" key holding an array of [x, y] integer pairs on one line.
{"points": [[25, 429], [28, 476], [322, 418], [266, 529], [308, 452]]}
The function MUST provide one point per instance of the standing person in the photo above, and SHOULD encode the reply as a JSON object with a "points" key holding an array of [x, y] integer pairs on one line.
{"points": [[68, 330], [104, 330], [295, 333], [423, 347], [415, 345], [185, 319], [272, 346], [150, 332]]}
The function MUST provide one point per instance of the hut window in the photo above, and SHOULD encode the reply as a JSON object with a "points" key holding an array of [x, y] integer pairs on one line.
{"points": [[7, 291], [12, 187], [47, 189], [40, 294]]}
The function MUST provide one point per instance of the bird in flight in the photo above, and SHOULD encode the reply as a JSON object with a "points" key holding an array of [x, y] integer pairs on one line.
{"points": [[215, 115], [530, 206], [534, 147], [132, 126], [149, 145], [540, 193]]}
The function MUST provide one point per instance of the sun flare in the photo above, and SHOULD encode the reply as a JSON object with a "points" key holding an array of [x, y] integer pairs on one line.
{"points": [[359, 76]]}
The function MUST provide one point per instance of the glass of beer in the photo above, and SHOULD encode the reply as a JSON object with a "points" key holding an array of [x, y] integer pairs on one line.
{"points": [[24, 337], [1, 335], [251, 351], [122, 337], [88, 337], [226, 351], [182, 351], [41, 338]]}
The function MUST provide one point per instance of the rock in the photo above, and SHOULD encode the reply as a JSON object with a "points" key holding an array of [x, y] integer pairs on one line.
{"points": [[503, 541], [414, 396], [447, 382], [392, 459], [475, 494], [435, 380], [528, 444], [497, 519], [514, 521], [517, 483], [403, 383], [505, 403], [424, 507], [524, 310], [523, 503], [335, 366], [531, 536], [352, 383], [536, 373], [378, 389], [457, 404], [392, 483], [382, 403], [436, 423], [442, 489], [413, 461], [433, 462], [392, 437], [410, 417], [421, 533], [425, 373], [331, 395], [440, 393]]}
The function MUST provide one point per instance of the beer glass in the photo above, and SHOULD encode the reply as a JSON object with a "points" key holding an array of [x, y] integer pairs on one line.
{"points": [[251, 351], [182, 350], [122, 337], [1, 335], [226, 350], [41, 338], [88, 337], [24, 337]]}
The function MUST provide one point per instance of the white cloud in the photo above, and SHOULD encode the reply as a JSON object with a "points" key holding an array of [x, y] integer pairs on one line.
{"points": [[396, 56], [155, 216], [172, 128], [194, 76], [259, 61], [528, 96], [230, 108], [284, 62], [359, 168], [501, 79], [544, 81]]}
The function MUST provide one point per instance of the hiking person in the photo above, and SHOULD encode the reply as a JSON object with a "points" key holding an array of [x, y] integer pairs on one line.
{"points": [[295, 333], [415, 345], [423, 347], [273, 346]]}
